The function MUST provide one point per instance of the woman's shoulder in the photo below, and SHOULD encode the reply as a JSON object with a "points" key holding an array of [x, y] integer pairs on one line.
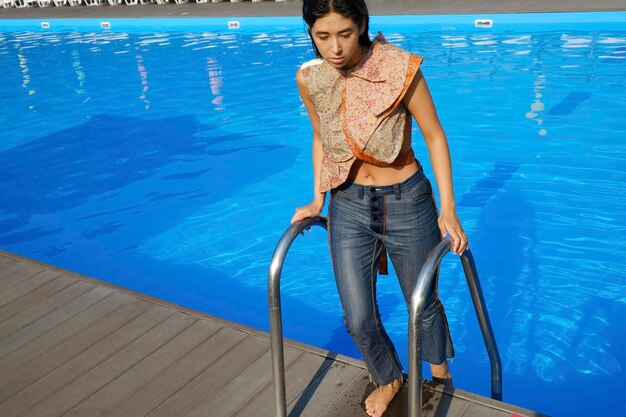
{"points": [[313, 62], [311, 69], [317, 74]]}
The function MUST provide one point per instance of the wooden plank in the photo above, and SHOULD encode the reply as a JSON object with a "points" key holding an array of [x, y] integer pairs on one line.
{"points": [[479, 410], [437, 402], [11, 267], [31, 370], [322, 393], [85, 385], [500, 406], [350, 404], [64, 331], [5, 260], [58, 283], [52, 319], [25, 287], [243, 387], [10, 279], [141, 374], [17, 403], [213, 378], [39, 310], [303, 371], [175, 377]]}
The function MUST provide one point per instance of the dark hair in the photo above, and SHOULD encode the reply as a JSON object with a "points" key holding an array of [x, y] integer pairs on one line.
{"points": [[351, 9]]}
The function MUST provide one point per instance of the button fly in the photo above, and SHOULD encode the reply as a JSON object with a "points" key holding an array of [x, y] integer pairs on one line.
{"points": [[377, 211]]}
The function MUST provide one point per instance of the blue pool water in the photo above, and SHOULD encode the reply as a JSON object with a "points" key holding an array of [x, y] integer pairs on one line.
{"points": [[170, 162]]}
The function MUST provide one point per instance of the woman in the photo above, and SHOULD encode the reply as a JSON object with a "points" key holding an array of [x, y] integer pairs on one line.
{"points": [[359, 96]]}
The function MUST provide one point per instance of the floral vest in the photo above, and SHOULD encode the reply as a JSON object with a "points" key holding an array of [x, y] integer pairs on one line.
{"points": [[360, 109]]}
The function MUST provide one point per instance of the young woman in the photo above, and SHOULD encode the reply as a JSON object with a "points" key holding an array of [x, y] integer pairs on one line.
{"points": [[360, 96]]}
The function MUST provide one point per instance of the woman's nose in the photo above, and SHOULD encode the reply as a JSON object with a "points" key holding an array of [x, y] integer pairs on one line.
{"points": [[336, 47]]}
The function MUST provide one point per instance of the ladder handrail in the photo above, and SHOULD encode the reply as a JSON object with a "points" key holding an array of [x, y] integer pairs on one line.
{"points": [[418, 299], [276, 324], [418, 302]]}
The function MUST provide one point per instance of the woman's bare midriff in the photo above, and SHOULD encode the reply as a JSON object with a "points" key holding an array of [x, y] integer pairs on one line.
{"points": [[368, 174]]}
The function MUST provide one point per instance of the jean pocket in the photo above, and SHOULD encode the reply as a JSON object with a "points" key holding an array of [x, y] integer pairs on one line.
{"points": [[421, 190]]}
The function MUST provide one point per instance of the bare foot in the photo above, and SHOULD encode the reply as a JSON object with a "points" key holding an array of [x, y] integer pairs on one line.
{"points": [[378, 401]]}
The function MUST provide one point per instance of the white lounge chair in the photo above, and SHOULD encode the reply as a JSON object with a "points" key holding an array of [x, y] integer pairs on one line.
{"points": [[181, 1], [6, 4], [24, 3], [131, 2], [146, 1], [44, 3], [60, 3], [75, 2]]}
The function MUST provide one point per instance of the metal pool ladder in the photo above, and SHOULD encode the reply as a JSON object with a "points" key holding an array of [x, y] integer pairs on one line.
{"points": [[418, 299]]}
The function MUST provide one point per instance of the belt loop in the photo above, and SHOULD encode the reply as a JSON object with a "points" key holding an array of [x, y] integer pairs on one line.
{"points": [[361, 192], [396, 190]]}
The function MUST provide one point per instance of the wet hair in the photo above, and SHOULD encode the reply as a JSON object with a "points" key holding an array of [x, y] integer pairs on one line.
{"points": [[356, 10]]}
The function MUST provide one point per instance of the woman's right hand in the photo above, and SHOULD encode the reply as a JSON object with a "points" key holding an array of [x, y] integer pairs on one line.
{"points": [[310, 210]]}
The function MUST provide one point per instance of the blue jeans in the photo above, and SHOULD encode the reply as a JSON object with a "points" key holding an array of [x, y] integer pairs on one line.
{"points": [[403, 218]]}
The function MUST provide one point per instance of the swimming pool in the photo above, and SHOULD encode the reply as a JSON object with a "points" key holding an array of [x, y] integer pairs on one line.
{"points": [[169, 161]]}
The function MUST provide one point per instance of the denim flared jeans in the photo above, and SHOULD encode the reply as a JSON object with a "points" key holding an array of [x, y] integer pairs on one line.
{"points": [[403, 218]]}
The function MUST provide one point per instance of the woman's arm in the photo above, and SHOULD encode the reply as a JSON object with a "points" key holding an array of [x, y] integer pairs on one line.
{"points": [[420, 103], [316, 206]]}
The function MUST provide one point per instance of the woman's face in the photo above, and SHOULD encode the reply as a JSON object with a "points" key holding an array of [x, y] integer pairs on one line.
{"points": [[337, 39]]}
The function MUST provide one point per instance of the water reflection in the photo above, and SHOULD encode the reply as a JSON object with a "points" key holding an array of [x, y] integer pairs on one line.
{"points": [[215, 81], [80, 72], [143, 77], [537, 105]]}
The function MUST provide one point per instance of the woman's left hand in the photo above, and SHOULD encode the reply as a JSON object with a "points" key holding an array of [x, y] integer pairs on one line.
{"points": [[449, 224]]}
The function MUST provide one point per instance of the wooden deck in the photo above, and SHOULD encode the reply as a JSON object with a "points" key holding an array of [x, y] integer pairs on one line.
{"points": [[76, 347], [294, 8]]}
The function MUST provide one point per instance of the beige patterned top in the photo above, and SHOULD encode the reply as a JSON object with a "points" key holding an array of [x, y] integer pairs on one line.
{"points": [[361, 111]]}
